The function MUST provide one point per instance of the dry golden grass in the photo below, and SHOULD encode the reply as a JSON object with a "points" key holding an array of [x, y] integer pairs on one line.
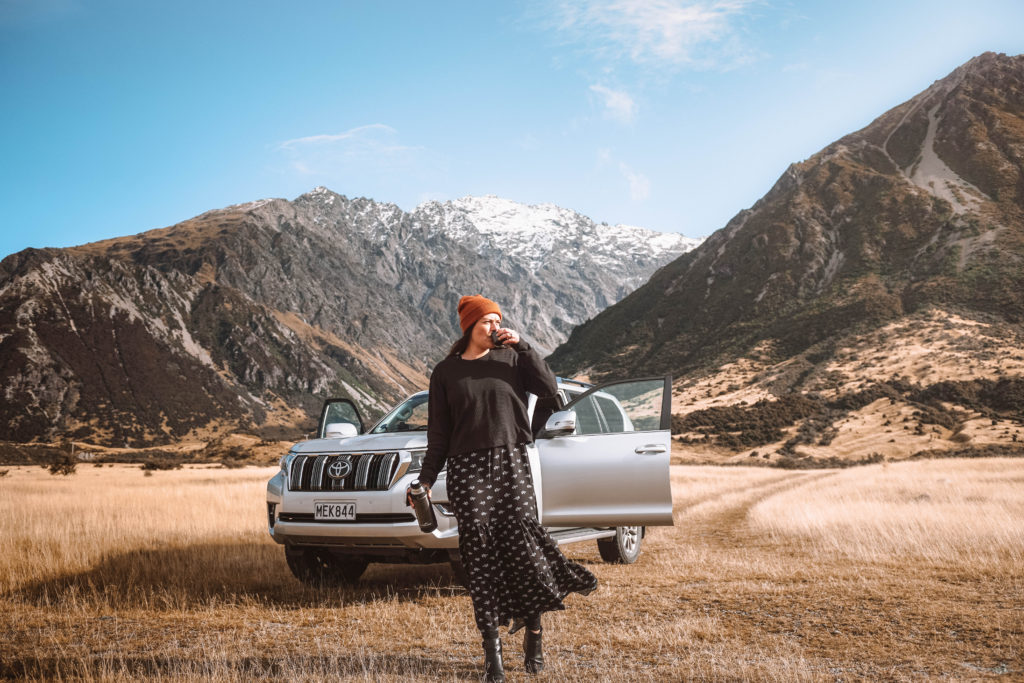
{"points": [[927, 347], [923, 348], [954, 514], [882, 427], [905, 571]]}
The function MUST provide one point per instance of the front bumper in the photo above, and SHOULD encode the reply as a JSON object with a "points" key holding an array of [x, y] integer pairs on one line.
{"points": [[383, 522]]}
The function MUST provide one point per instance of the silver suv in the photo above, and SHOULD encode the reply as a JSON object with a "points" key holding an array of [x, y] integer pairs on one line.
{"points": [[600, 464]]}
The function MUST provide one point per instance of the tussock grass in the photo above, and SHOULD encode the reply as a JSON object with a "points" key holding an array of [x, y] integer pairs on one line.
{"points": [[768, 575], [104, 526], [958, 514]]}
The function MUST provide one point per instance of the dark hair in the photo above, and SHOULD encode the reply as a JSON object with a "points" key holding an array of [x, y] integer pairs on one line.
{"points": [[463, 342]]}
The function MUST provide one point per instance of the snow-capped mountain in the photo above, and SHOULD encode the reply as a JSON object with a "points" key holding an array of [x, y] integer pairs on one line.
{"points": [[551, 268], [539, 235], [250, 314]]}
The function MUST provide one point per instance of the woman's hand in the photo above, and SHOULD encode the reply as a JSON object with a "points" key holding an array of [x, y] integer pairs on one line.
{"points": [[408, 494], [508, 337]]}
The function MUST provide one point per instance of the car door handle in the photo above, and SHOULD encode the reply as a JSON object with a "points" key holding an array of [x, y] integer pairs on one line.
{"points": [[649, 449]]}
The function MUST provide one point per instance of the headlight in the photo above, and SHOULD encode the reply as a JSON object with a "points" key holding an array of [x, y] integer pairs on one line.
{"points": [[286, 461], [417, 460]]}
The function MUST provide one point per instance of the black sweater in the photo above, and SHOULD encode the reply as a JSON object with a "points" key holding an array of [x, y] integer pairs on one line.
{"points": [[482, 403]]}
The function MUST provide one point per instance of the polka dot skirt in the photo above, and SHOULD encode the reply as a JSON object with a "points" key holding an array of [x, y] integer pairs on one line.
{"points": [[515, 569]]}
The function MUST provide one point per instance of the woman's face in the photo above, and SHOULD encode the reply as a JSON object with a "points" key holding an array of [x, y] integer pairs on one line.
{"points": [[483, 328]]}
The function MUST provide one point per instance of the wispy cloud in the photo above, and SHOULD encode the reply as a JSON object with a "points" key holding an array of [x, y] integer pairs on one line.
{"points": [[371, 147], [639, 184], [376, 137], [606, 163], [618, 104], [660, 32]]}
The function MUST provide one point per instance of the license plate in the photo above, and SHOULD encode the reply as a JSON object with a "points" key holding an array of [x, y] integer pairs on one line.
{"points": [[344, 511]]}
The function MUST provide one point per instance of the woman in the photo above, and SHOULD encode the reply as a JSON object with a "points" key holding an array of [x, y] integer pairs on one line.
{"points": [[478, 423]]}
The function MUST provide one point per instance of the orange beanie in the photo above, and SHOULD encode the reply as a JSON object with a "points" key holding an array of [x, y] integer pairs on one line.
{"points": [[474, 307]]}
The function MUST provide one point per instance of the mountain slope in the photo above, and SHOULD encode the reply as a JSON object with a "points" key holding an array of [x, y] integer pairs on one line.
{"points": [[921, 208], [246, 317], [870, 306]]}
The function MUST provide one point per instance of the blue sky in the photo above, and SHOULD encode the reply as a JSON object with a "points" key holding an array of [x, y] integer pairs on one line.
{"points": [[123, 116]]}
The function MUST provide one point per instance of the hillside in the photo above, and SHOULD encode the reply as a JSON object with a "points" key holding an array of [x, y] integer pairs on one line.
{"points": [[896, 254], [244, 318]]}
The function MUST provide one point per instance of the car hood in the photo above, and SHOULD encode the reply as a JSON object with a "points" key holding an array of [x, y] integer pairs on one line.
{"points": [[403, 441]]}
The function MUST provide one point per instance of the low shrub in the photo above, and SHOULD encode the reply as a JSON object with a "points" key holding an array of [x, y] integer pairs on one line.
{"points": [[740, 427], [161, 464], [63, 464]]}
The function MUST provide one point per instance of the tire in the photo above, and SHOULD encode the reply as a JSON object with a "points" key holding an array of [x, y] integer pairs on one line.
{"points": [[458, 569], [320, 568], [624, 548]]}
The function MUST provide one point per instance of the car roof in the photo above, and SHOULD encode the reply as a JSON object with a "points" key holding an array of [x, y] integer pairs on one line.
{"points": [[576, 382]]}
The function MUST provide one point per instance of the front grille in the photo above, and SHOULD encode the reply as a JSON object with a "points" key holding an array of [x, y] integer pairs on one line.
{"points": [[372, 518], [366, 472]]}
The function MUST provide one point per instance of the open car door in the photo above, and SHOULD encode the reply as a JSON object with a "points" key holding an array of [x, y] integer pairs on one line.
{"points": [[613, 468], [339, 411]]}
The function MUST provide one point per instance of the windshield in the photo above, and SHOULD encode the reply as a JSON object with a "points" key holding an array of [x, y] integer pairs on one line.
{"points": [[408, 416]]}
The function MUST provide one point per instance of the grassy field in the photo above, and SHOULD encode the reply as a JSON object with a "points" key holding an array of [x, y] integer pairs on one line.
{"points": [[903, 571]]}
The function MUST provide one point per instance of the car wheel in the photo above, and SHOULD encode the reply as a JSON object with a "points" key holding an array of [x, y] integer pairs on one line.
{"points": [[624, 548], [319, 567], [458, 569]]}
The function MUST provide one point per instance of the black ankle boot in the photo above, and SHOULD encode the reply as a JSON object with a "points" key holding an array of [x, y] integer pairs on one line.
{"points": [[533, 652], [494, 671]]}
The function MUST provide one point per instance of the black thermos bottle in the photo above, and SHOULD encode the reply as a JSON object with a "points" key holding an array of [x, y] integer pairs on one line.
{"points": [[422, 508]]}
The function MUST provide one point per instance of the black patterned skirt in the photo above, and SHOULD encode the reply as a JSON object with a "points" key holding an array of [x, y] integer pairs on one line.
{"points": [[515, 569]]}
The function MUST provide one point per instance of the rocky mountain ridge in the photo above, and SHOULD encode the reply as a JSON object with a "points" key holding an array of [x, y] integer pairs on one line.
{"points": [[247, 316], [889, 266], [923, 207]]}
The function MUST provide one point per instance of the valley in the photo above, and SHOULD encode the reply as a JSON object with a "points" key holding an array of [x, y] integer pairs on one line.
{"points": [[890, 571]]}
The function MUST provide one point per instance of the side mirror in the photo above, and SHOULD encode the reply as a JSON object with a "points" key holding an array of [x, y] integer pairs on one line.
{"points": [[562, 423], [340, 430]]}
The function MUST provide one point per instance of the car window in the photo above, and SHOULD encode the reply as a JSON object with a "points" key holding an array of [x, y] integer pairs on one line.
{"points": [[587, 420], [634, 405], [612, 414], [341, 411], [409, 416], [641, 400]]}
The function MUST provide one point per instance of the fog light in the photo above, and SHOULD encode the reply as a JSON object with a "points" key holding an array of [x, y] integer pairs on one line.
{"points": [[444, 510]]}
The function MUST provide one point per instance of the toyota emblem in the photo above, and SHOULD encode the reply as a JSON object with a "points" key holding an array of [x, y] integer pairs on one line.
{"points": [[339, 469]]}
